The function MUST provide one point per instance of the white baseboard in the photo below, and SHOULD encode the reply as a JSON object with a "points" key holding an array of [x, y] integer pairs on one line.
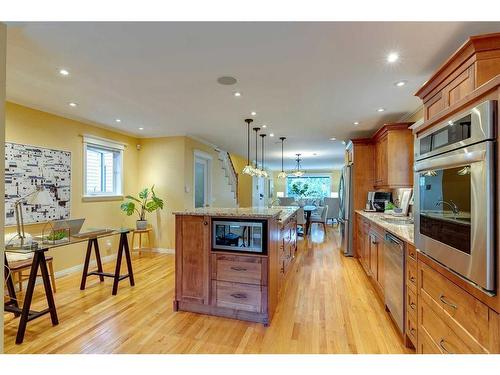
{"points": [[162, 250]]}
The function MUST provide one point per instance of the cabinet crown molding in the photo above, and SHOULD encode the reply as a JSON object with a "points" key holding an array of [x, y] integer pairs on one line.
{"points": [[474, 49]]}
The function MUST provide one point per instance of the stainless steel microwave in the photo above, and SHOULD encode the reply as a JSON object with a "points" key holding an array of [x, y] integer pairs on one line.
{"points": [[245, 236], [455, 194]]}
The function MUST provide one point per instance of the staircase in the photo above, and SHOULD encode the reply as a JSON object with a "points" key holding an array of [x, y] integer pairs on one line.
{"points": [[230, 172]]}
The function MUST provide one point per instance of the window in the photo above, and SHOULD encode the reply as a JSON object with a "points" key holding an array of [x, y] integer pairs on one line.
{"points": [[102, 168], [308, 186]]}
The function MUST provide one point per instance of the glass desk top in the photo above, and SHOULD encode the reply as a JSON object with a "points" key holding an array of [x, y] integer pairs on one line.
{"points": [[38, 244]]}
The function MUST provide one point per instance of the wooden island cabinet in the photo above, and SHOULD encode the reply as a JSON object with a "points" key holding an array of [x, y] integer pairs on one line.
{"points": [[232, 282]]}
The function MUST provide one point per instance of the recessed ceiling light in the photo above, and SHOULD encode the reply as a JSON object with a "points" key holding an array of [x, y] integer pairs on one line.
{"points": [[63, 72], [141, 128], [253, 113], [72, 104], [271, 135], [400, 83], [264, 126], [381, 110], [356, 123], [333, 139], [118, 120], [237, 94], [392, 57]]}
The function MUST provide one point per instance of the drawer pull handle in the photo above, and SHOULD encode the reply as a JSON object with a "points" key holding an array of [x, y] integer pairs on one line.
{"points": [[413, 306], [238, 268], [239, 295], [443, 299], [412, 279], [441, 344], [412, 331]]}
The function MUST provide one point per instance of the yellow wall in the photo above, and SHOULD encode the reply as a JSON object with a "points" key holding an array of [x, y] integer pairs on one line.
{"points": [[279, 184], [244, 181], [161, 163], [33, 127]]}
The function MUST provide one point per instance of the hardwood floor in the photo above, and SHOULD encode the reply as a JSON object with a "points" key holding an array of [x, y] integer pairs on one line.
{"points": [[329, 306]]}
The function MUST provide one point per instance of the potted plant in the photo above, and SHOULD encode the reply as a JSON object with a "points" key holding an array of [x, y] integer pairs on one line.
{"points": [[147, 202]]}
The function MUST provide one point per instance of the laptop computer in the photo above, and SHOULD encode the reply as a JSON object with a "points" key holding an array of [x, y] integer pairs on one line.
{"points": [[75, 225]]}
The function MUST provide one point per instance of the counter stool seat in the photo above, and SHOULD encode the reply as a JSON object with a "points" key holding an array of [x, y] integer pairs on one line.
{"points": [[19, 266]]}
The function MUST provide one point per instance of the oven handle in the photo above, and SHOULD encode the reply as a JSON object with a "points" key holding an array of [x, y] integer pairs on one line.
{"points": [[451, 161]]}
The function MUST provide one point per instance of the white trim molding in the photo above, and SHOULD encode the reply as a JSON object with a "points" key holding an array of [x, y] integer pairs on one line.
{"points": [[95, 140]]}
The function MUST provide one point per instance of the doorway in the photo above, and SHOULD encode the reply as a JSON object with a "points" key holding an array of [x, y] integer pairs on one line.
{"points": [[201, 181]]}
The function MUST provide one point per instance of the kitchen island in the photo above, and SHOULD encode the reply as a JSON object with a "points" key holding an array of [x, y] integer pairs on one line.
{"points": [[232, 262]]}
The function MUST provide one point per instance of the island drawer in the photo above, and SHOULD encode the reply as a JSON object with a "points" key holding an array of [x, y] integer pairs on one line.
{"points": [[239, 269], [238, 296]]}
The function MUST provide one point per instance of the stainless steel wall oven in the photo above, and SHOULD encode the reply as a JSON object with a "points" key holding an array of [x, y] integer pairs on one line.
{"points": [[455, 208]]}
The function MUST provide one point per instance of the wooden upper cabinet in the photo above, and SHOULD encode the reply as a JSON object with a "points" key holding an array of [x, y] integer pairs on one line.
{"points": [[473, 64], [393, 156], [192, 258]]}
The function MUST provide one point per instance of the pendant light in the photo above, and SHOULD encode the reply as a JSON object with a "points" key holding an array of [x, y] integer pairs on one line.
{"points": [[298, 172], [256, 167], [263, 172], [282, 174], [248, 168]]}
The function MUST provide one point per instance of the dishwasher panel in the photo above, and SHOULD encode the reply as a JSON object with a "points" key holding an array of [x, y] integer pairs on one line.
{"points": [[394, 279]]}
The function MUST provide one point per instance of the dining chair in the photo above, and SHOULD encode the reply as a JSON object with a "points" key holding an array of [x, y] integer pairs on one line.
{"points": [[333, 209], [320, 216]]}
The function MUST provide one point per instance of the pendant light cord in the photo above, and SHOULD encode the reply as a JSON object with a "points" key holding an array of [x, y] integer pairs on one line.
{"points": [[256, 148], [248, 121], [262, 151]]}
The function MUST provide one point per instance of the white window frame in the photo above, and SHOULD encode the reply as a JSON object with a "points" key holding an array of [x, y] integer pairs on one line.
{"points": [[208, 158], [103, 143]]}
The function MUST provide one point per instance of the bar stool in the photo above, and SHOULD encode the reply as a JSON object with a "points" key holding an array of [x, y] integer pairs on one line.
{"points": [[140, 232]]}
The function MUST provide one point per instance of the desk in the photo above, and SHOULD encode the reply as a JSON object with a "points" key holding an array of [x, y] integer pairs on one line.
{"points": [[308, 210], [40, 262]]}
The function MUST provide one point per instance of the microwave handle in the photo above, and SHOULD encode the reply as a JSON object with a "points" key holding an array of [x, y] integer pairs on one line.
{"points": [[451, 161]]}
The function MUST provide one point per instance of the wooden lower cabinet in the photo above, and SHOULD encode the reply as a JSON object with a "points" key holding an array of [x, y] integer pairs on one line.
{"points": [[370, 243], [450, 320], [192, 245]]}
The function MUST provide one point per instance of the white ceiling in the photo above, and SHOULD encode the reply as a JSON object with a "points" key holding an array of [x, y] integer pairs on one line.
{"points": [[307, 81]]}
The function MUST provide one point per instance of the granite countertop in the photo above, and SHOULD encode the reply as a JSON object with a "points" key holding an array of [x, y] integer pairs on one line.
{"points": [[286, 212], [403, 231], [247, 212]]}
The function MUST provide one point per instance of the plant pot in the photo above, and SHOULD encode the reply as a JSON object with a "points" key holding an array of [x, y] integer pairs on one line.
{"points": [[141, 224]]}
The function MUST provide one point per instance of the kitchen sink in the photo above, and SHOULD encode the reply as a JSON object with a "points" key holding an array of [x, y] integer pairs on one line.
{"points": [[398, 220]]}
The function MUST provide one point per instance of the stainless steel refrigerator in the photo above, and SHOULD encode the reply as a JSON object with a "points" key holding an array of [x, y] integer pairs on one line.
{"points": [[346, 213]]}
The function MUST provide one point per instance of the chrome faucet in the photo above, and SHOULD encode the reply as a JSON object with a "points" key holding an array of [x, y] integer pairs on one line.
{"points": [[451, 204]]}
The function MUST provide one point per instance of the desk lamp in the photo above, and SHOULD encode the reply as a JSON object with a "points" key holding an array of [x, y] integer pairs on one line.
{"points": [[40, 197]]}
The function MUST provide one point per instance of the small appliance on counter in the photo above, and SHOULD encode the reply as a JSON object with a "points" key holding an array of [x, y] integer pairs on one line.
{"points": [[380, 198], [369, 202]]}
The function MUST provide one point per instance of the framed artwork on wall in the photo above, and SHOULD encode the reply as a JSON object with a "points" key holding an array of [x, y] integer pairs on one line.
{"points": [[27, 167]]}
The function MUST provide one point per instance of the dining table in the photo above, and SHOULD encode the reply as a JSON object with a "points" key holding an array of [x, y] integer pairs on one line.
{"points": [[308, 210]]}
